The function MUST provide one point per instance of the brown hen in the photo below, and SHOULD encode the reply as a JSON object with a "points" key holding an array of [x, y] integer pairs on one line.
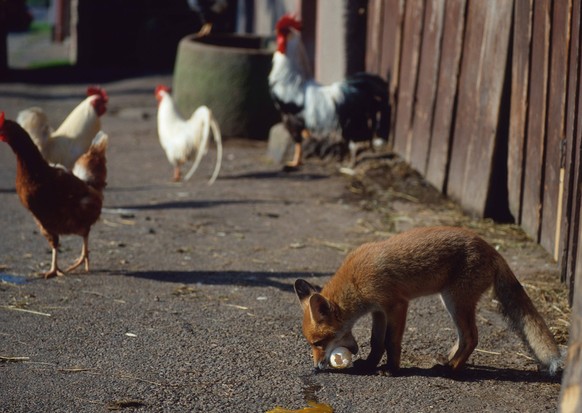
{"points": [[61, 203]]}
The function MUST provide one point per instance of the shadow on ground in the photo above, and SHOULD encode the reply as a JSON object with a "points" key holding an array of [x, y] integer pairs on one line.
{"points": [[240, 278]]}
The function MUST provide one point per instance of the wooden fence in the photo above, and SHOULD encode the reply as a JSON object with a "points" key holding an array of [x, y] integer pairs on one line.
{"points": [[487, 101]]}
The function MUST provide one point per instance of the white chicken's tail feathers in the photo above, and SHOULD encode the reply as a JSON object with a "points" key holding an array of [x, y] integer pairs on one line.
{"points": [[35, 122], [100, 140], [202, 146], [209, 124], [218, 141]]}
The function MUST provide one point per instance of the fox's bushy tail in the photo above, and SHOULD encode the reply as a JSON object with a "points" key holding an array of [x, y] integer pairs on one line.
{"points": [[523, 317]]}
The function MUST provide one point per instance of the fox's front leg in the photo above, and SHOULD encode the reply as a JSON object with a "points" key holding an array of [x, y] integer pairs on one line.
{"points": [[376, 343]]}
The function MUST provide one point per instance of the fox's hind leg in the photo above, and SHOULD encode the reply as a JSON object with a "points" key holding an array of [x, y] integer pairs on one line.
{"points": [[462, 312]]}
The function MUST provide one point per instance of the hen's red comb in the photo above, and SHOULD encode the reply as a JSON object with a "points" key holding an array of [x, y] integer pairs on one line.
{"points": [[165, 88], [286, 22], [95, 90], [1, 119]]}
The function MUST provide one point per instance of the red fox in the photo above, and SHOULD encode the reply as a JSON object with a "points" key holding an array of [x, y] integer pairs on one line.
{"points": [[382, 277]]}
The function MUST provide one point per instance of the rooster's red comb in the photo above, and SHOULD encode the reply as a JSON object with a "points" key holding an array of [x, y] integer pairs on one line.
{"points": [[164, 88], [2, 119], [286, 22], [95, 90]]}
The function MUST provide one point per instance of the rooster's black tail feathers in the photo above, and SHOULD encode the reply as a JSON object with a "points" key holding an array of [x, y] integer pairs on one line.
{"points": [[365, 110]]}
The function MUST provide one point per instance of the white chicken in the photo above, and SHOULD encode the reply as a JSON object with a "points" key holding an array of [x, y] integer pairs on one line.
{"points": [[73, 138], [184, 140]]}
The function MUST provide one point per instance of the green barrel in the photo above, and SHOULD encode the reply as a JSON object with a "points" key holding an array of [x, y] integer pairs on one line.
{"points": [[229, 74]]}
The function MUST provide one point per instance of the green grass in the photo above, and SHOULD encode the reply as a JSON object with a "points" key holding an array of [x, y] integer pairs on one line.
{"points": [[38, 27], [49, 64]]}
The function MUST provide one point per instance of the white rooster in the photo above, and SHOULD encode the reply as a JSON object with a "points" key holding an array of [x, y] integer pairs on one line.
{"points": [[184, 140], [73, 138]]}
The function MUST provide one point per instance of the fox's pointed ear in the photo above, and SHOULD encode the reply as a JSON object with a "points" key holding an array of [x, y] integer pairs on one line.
{"points": [[319, 307], [304, 290]]}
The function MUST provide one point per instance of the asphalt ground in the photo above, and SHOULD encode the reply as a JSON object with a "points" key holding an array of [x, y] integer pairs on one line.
{"points": [[189, 305]]}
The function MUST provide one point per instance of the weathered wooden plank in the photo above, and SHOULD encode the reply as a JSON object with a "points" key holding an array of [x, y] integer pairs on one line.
{"points": [[522, 23], [482, 79], [494, 69], [536, 130], [554, 172], [573, 178], [390, 58], [412, 33], [571, 392], [467, 101], [427, 84], [374, 44], [391, 39], [452, 44]]}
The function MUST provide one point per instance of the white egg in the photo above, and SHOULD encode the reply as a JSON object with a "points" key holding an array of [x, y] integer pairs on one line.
{"points": [[340, 358]]}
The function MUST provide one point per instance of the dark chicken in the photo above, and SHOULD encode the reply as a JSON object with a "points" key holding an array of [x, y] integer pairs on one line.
{"points": [[61, 203]]}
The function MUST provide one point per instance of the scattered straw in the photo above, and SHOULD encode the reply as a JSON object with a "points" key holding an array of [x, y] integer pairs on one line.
{"points": [[240, 307], [7, 359], [525, 356], [75, 370], [12, 308], [495, 353]]}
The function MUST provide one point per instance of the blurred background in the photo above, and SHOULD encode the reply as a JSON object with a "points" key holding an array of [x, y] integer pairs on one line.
{"points": [[121, 33]]}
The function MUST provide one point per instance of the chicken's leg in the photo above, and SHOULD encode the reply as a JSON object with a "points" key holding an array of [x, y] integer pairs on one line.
{"points": [[297, 155], [353, 153], [55, 270], [84, 258], [177, 174]]}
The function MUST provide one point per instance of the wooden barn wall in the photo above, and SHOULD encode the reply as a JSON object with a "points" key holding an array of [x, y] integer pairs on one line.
{"points": [[486, 102]]}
